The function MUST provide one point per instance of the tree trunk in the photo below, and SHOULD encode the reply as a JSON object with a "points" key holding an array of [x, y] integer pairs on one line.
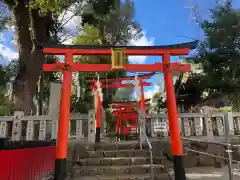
{"points": [[31, 56], [21, 91]]}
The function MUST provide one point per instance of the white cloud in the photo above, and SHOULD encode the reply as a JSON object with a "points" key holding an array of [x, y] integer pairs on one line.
{"points": [[2, 38], [71, 21], [149, 93], [7, 54], [143, 41]]}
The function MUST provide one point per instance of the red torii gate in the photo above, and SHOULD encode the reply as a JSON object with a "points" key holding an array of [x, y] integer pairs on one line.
{"points": [[123, 116], [130, 104], [141, 83], [67, 67], [98, 102], [127, 107]]}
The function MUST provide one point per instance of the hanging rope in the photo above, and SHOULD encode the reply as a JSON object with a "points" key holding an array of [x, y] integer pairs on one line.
{"points": [[99, 89], [160, 83], [78, 88]]}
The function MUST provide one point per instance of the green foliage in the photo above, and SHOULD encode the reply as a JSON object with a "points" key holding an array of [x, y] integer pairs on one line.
{"points": [[123, 94], [2, 76], [115, 23], [91, 36], [190, 92], [221, 58], [5, 103], [158, 103], [224, 109], [56, 6], [218, 56]]}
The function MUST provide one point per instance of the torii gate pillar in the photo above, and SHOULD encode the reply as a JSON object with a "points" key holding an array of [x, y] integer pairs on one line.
{"points": [[176, 142]]}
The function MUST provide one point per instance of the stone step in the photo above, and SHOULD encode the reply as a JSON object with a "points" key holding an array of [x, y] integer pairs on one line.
{"points": [[134, 144], [116, 170], [118, 153], [119, 161], [163, 176]]}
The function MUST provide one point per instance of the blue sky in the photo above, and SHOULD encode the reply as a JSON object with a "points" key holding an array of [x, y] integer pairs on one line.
{"points": [[167, 21], [163, 22]]}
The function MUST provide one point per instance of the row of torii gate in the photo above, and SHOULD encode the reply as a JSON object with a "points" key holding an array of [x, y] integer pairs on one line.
{"points": [[125, 113], [118, 58]]}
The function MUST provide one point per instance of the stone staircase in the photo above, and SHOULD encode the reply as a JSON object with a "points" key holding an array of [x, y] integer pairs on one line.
{"points": [[117, 161]]}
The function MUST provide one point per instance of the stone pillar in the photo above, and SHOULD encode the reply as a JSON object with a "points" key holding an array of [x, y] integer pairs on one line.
{"points": [[79, 129], [42, 130], [142, 124], [54, 104], [17, 126], [54, 129], [153, 122], [30, 130], [91, 126], [141, 119], [165, 121], [207, 114], [186, 127], [197, 126], [219, 126], [228, 124], [69, 128], [54, 99], [209, 127], [237, 120], [103, 122], [3, 129]]}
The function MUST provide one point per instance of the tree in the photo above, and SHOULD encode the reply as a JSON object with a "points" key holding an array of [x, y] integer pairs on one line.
{"points": [[123, 94], [35, 23], [158, 103], [218, 54], [107, 24], [115, 21], [33, 30]]}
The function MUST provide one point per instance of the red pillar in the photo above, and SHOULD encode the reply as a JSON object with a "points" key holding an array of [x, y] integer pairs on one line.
{"points": [[98, 117], [142, 100], [62, 139], [176, 141]]}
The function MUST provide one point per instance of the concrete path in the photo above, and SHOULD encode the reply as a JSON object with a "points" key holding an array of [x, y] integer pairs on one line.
{"points": [[211, 173]]}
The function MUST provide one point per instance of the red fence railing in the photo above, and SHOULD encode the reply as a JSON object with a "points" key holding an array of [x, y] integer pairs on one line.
{"points": [[26, 161]]}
